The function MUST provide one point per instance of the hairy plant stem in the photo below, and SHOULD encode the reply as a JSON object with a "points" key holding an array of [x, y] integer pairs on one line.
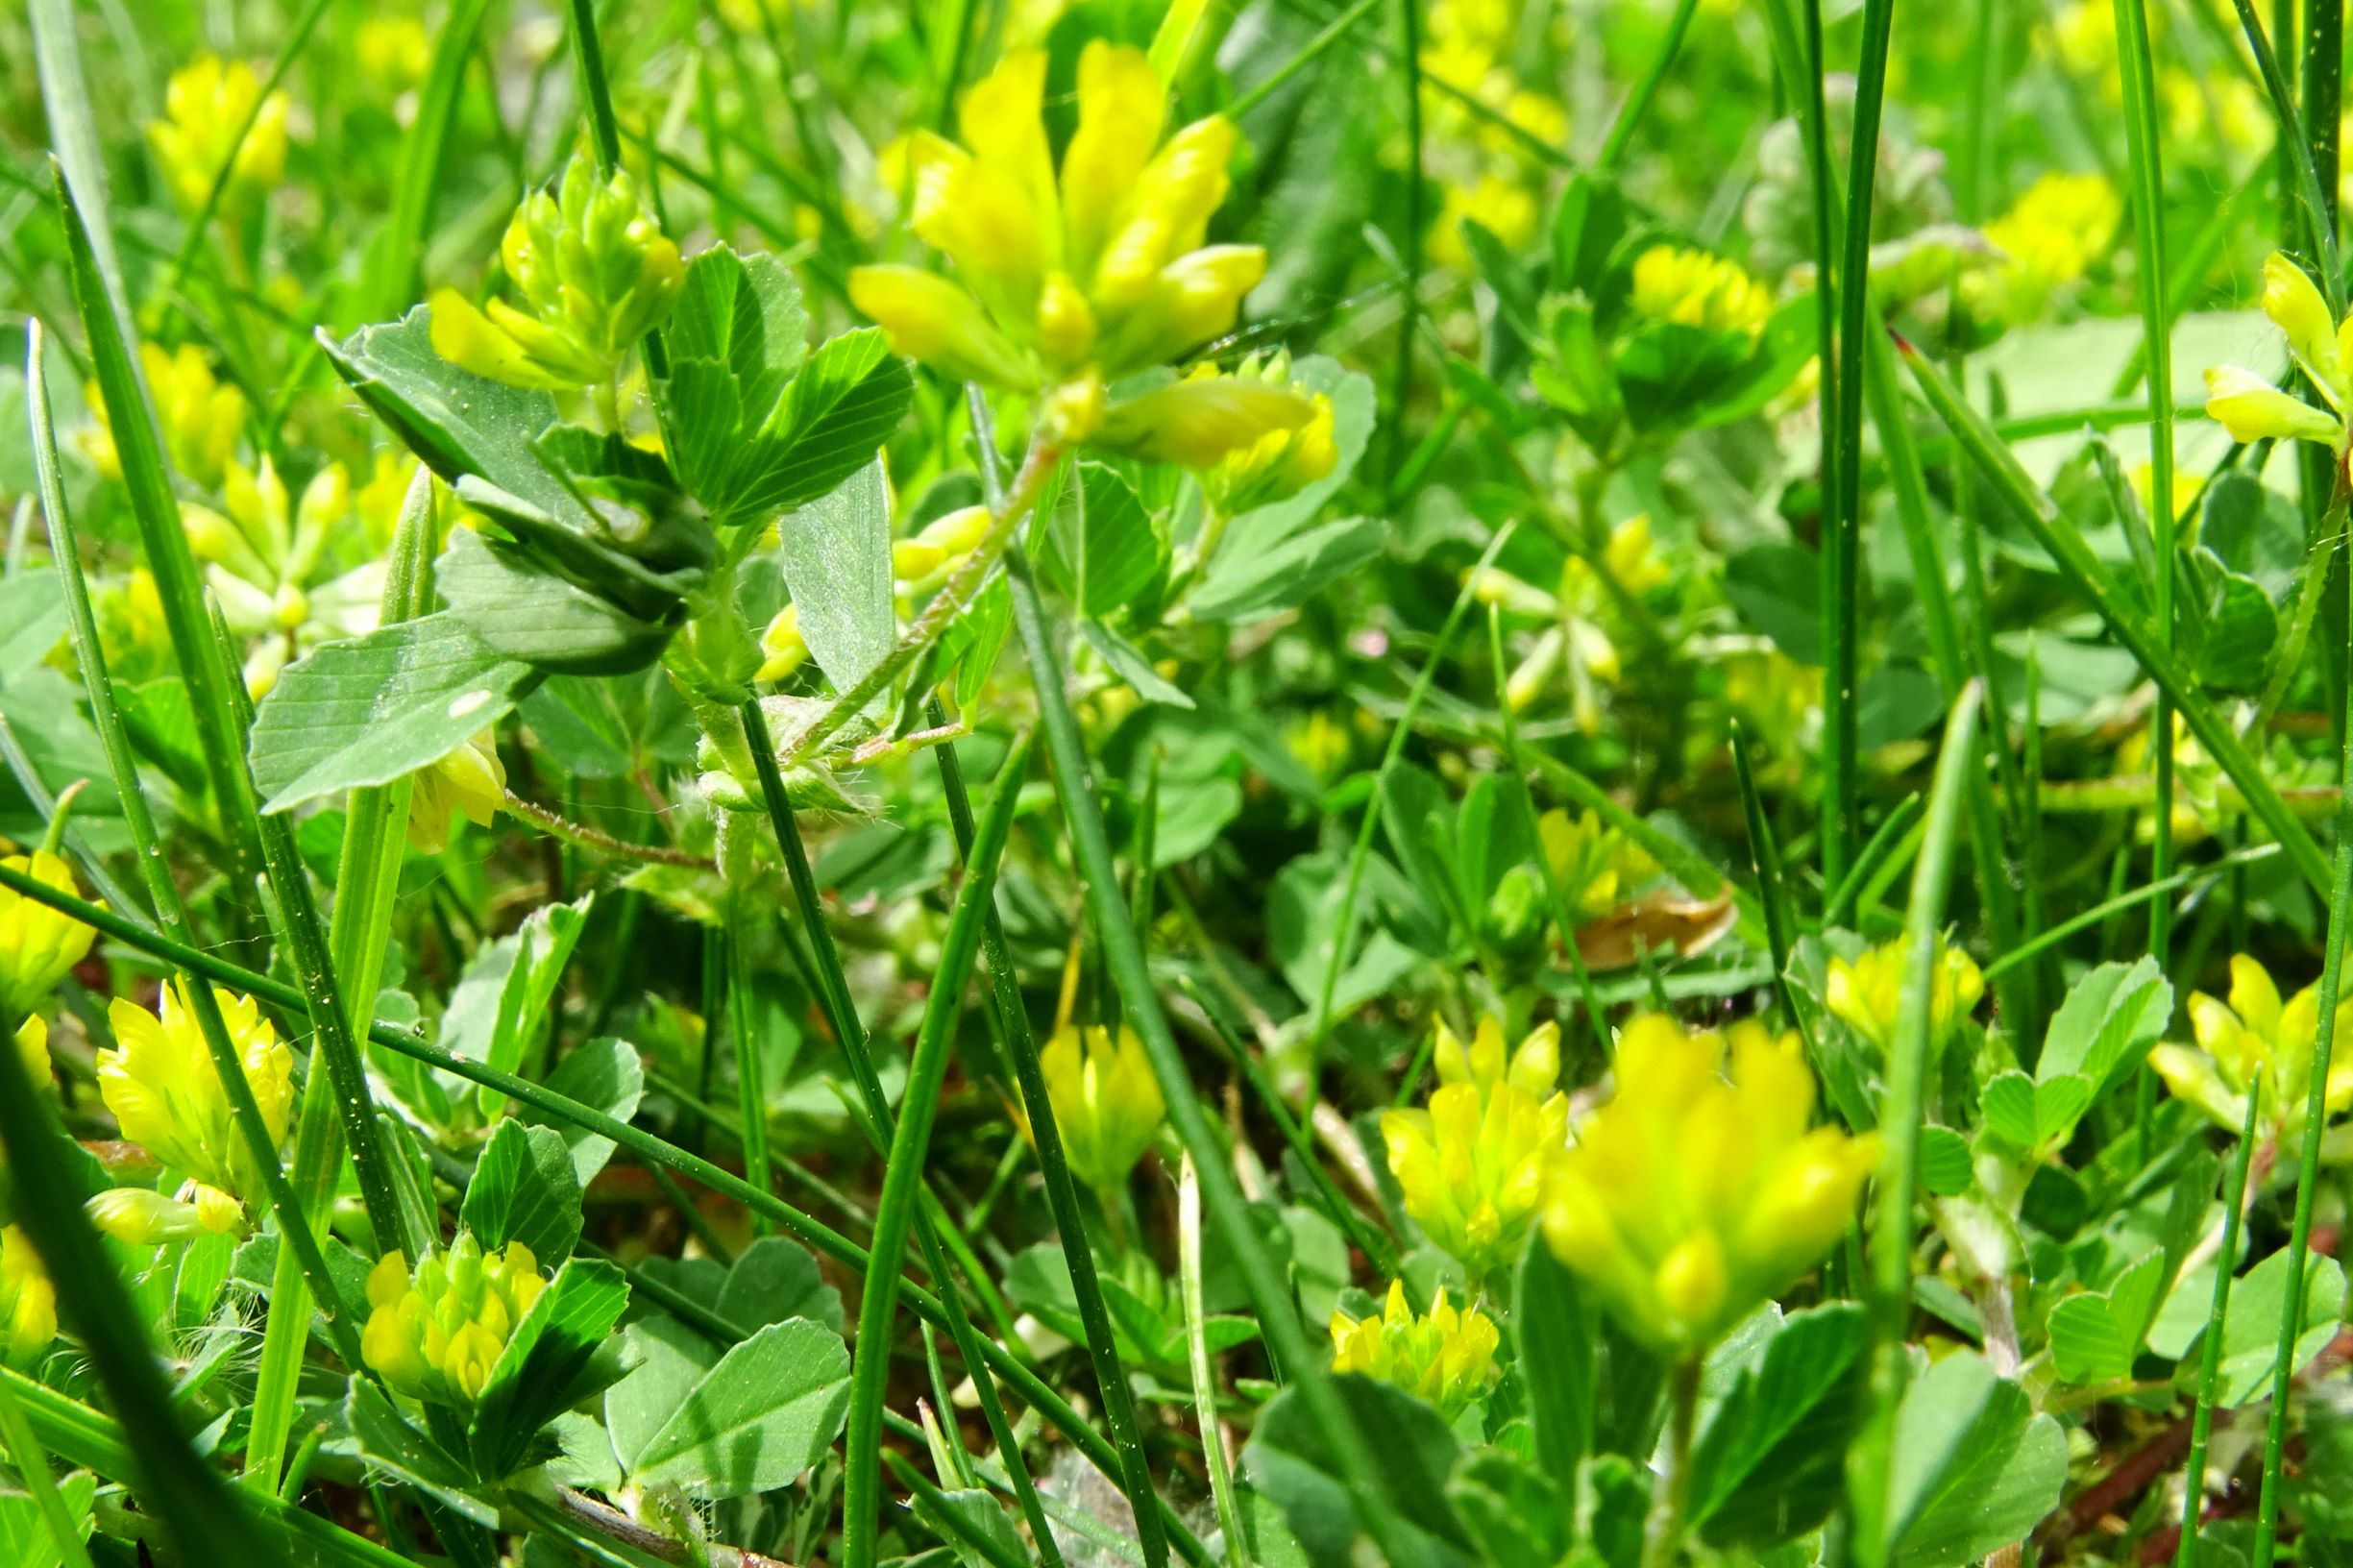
{"points": [[1662, 1534], [953, 599]]}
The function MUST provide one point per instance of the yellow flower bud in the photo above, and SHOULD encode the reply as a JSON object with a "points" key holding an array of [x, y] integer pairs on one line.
{"points": [[38, 946], [932, 320], [470, 782], [596, 274], [1107, 1104], [1444, 1356], [2252, 409], [437, 1333], [781, 649], [1471, 1166], [162, 1085], [395, 51], [203, 107], [140, 1216], [2296, 306], [1065, 322], [1867, 991], [1197, 423], [1690, 1198], [1122, 111], [27, 1302], [1281, 460]]}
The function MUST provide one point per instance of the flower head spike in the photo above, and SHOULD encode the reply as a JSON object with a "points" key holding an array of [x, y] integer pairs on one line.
{"points": [[2256, 1042], [1068, 281], [1471, 1166], [1693, 289], [38, 946], [2253, 410], [1691, 1196], [594, 273], [1444, 1356], [160, 1083], [1107, 1104], [204, 109], [437, 1331], [1867, 992], [470, 782], [27, 1302]]}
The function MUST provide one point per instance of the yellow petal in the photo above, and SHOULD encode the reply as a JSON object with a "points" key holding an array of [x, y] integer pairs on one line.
{"points": [[2253, 410]]}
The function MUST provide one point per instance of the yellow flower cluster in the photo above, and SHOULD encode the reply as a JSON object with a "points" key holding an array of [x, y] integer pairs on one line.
{"points": [[1692, 288], [1069, 279], [2255, 1042], [1445, 1355], [2219, 106], [262, 548], [596, 274], [1867, 991], [470, 782], [38, 946], [2049, 239], [1471, 1166], [203, 107], [1596, 865], [201, 416], [161, 1082], [27, 1302], [1689, 1198], [1106, 1102], [1485, 172], [436, 1334], [2250, 407]]}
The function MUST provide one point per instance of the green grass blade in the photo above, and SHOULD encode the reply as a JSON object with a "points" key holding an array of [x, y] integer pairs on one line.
{"points": [[2209, 1357], [1841, 530], [1409, 242], [1765, 859], [878, 1302], [73, 136], [1359, 852], [139, 446], [1197, 1362], [1123, 955], [1646, 88], [2141, 126], [2308, 1156], [2320, 213], [162, 891], [31, 1458], [2075, 562], [1889, 1293], [396, 259]]}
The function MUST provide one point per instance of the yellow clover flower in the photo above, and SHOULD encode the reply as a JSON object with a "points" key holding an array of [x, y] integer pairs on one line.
{"points": [[1503, 206], [200, 416], [1471, 1166], [2048, 238], [1692, 288], [160, 1083], [38, 946], [942, 546], [470, 782], [596, 274], [1444, 1356], [27, 1302], [2255, 1041], [436, 1334], [1690, 1199], [1866, 992], [1069, 279], [2250, 407], [203, 107], [1107, 1104]]}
